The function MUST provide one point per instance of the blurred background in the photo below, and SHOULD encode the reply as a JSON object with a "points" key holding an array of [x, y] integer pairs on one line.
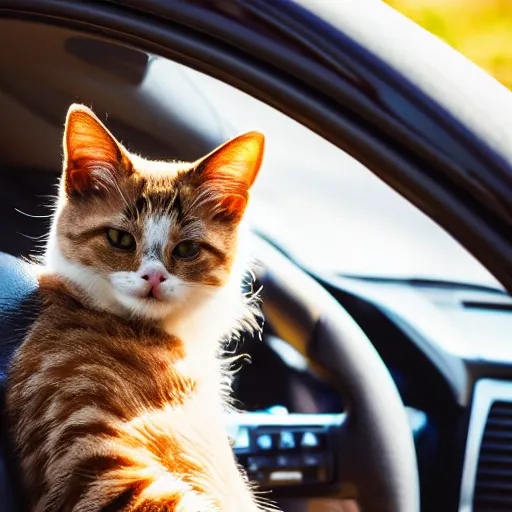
{"points": [[479, 29]]}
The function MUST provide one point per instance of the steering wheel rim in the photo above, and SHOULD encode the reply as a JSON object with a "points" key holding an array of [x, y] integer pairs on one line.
{"points": [[376, 463]]}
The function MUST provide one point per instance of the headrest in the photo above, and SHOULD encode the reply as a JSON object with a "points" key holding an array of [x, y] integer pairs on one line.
{"points": [[18, 305]]}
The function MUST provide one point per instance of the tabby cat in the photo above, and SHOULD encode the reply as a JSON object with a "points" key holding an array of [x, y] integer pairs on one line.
{"points": [[115, 400]]}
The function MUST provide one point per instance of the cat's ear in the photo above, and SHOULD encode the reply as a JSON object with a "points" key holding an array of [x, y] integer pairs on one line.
{"points": [[93, 158], [230, 170]]}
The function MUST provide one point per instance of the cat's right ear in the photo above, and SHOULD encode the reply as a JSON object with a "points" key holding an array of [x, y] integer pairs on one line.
{"points": [[93, 159]]}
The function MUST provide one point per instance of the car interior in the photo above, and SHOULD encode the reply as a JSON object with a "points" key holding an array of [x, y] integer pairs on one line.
{"points": [[339, 255]]}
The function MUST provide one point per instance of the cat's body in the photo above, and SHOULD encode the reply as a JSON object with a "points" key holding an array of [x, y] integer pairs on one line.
{"points": [[116, 398]]}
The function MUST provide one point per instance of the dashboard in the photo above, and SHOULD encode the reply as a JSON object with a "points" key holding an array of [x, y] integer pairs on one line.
{"points": [[456, 369], [445, 345]]}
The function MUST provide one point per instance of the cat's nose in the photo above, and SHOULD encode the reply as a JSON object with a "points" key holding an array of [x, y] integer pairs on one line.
{"points": [[154, 278]]}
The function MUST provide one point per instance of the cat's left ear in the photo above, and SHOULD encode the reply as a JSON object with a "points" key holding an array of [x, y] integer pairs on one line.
{"points": [[232, 168], [93, 158]]}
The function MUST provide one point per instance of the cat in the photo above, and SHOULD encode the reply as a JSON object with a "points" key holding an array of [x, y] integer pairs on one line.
{"points": [[115, 399]]}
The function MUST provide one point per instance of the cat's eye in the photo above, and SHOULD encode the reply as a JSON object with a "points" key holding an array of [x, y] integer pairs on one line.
{"points": [[187, 250], [121, 239]]}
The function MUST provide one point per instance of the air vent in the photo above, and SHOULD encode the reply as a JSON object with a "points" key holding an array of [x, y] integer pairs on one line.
{"points": [[493, 484]]}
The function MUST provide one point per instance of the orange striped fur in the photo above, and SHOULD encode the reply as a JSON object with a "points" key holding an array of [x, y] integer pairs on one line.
{"points": [[115, 400]]}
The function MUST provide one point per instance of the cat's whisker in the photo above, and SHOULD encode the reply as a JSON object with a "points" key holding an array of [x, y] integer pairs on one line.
{"points": [[39, 237], [33, 216], [53, 197], [118, 188], [54, 200]]}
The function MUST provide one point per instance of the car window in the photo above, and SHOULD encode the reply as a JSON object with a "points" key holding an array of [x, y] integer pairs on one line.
{"points": [[331, 212]]}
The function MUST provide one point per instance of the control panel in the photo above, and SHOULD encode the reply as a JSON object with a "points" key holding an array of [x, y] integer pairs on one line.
{"points": [[282, 449]]}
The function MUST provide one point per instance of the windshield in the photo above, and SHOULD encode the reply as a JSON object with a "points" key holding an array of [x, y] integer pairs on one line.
{"points": [[330, 212]]}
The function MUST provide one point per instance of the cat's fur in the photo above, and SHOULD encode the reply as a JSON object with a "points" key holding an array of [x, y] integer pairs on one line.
{"points": [[115, 400]]}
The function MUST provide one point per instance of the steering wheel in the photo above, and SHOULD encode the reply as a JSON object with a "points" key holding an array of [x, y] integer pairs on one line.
{"points": [[375, 460]]}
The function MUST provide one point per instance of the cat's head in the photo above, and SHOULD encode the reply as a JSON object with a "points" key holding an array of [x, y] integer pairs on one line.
{"points": [[142, 237]]}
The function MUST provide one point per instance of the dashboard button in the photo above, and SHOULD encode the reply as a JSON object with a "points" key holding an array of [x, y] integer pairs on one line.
{"points": [[242, 439], [258, 463], [264, 442], [309, 440], [286, 440], [313, 459], [289, 461], [286, 477]]}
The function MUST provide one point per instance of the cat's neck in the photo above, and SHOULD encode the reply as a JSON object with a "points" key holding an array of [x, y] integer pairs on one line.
{"points": [[204, 333]]}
